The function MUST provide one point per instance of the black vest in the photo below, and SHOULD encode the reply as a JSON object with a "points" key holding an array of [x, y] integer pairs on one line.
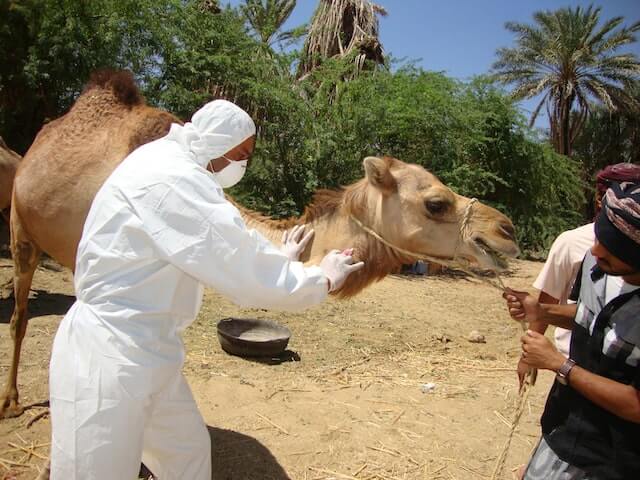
{"points": [[580, 432]]}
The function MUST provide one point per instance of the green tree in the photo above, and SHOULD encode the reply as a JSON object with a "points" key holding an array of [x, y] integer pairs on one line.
{"points": [[471, 135], [609, 137], [266, 18], [569, 58], [49, 48]]}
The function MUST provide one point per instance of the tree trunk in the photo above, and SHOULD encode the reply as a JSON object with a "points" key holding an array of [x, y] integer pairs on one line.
{"points": [[565, 127]]}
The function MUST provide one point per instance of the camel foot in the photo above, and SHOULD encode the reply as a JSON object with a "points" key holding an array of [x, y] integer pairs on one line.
{"points": [[10, 408]]}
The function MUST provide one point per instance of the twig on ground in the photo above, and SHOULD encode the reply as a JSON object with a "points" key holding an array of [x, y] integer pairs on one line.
{"points": [[272, 423], [351, 365], [30, 450], [357, 472], [398, 417], [330, 472]]}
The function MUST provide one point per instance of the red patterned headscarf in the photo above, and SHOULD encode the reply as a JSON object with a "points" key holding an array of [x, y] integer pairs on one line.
{"points": [[617, 226], [620, 172]]}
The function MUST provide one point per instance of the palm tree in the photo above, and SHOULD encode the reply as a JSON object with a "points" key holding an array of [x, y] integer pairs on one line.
{"points": [[266, 18], [571, 60]]}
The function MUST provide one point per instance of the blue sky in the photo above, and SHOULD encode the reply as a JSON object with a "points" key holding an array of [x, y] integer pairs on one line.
{"points": [[460, 37]]}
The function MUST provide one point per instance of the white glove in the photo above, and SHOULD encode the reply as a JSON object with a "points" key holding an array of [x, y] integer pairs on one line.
{"points": [[292, 246], [337, 266]]}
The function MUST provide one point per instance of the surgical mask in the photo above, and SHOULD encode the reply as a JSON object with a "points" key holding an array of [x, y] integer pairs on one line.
{"points": [[231, 174]]}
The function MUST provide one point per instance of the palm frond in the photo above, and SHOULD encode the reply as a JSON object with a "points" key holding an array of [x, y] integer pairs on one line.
{"points": [[569, 55]]}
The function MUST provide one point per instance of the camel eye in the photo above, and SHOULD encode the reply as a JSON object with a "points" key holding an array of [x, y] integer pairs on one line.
{"points": [[435, 207]]}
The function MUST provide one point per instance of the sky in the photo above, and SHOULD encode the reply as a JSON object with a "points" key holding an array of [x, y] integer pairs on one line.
{"points": [[460, 37]]}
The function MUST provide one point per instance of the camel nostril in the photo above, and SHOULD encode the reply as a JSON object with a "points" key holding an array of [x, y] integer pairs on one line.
{"points": [[507, 231]]}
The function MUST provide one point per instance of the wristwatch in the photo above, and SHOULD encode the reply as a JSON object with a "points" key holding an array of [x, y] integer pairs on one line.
{"points": [[563, 373]]}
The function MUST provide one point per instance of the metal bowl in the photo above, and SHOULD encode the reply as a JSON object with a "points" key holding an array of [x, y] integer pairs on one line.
{"points": [[248, 337]]}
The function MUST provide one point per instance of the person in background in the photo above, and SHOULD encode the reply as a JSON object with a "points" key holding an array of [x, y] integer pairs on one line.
{"points": [[565, 256], [591, 420], [158, 231]]}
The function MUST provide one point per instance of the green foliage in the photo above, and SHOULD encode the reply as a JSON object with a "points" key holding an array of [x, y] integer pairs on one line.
{"points": [[471, 135], [266, 18], [609, 137], [49, 48], [312, 134]]}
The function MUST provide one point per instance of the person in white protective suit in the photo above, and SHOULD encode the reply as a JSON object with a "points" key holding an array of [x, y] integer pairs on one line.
{"points": [[158, 230]]}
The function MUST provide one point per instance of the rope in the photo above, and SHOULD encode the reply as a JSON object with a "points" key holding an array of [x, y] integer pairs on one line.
{"points": [[460, 264], [455, 262], [529, 381]]}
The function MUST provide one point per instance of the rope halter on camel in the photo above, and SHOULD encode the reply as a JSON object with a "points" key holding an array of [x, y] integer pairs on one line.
{"points": [[455, 262]]}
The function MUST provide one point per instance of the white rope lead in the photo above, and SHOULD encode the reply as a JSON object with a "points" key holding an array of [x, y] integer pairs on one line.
{"points": [[458, 264]]}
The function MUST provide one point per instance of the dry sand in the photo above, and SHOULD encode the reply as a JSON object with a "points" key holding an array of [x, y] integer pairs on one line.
{"points": [[347, 402]]}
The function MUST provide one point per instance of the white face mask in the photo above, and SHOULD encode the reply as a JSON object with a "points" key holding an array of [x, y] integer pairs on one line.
{"points": [[231, 174]]}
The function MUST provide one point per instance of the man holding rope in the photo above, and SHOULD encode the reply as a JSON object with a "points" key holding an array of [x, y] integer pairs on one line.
{"points": [[566, 254], [591, 422]]}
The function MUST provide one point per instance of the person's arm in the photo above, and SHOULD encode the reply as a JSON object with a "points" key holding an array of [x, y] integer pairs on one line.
{"points": [[199, 232], [620, 399], [523, 307], [562, 316], [538, 326]]}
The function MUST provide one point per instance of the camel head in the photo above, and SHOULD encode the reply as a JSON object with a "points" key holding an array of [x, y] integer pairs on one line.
{"points": [[412, 210]]}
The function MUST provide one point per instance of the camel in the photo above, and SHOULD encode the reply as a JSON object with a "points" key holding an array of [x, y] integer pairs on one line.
{"points": [[9, 161], [395, 214]]}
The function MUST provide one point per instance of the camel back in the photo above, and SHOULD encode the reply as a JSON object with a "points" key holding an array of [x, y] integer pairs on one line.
{"points": [[73, 155]]}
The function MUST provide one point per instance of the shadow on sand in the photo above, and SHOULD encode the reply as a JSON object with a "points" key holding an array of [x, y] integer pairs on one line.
{"points": [[285, 357], [235, 456], [41, 303]]}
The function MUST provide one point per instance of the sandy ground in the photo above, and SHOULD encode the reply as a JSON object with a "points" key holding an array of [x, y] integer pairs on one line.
{"points": [[347, 402]]}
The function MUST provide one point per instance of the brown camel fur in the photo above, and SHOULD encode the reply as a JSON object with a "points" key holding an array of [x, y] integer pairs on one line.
{"points": [[9, 161], [72, 156]]}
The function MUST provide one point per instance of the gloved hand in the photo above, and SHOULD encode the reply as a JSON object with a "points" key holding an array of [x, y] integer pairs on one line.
{"points": [[337, 266], [292, 246]]}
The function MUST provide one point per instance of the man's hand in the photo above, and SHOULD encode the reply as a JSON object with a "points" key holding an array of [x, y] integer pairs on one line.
{"points": [[292, 246], [522, 306], [522, 370], [539, 352]]}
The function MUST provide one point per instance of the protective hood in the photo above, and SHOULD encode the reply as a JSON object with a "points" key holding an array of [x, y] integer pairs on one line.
{"points": [[215, 129]]}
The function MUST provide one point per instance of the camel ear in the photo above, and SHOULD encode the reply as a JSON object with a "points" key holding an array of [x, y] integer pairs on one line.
{"points": [[378, 173]]}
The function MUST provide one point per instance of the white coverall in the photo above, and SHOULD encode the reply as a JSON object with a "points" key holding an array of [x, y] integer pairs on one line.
{"points": [[158, 229]]}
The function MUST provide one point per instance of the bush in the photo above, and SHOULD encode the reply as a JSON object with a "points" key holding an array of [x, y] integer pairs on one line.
{"points": [[312, 134]]}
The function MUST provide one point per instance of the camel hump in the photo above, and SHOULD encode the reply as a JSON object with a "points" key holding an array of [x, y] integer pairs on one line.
{"points": [[120, 82]]}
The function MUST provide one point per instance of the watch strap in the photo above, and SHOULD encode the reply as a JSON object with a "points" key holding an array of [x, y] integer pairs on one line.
{"points": [[563, 372]]}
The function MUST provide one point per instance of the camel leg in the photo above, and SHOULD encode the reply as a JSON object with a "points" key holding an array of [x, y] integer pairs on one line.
{"points": [[25, 260], [6, 289]]}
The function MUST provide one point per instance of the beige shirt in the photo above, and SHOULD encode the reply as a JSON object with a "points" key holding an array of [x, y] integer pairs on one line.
{"points": [[559, 271]]}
